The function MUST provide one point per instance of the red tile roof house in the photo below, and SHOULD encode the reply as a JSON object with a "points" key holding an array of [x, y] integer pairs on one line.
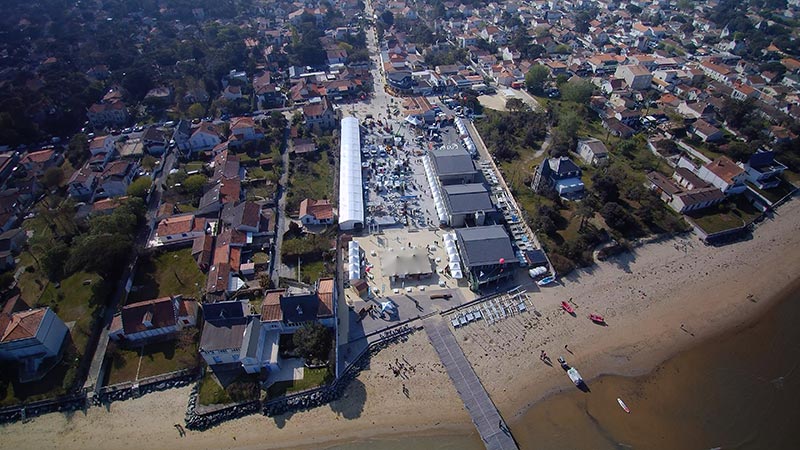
{"points": [[33, 338], [153, 320], [178, 229], [286, 312], [38, 162], [316, 212], [725, 174]]}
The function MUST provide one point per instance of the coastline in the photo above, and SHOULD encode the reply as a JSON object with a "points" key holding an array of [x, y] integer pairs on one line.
{"points": [[645, 297]]}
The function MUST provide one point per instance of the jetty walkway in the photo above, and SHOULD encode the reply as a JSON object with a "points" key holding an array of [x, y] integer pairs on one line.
{"points": [[493, 430]]}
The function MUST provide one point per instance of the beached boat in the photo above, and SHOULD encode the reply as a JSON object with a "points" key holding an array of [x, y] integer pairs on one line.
{"points": [[598, 319], [623, 405], [566, 307], [575, 376], [546, 280]]}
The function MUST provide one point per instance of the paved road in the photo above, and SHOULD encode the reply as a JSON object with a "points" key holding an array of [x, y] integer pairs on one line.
{"points": [[493, 430], [277, 268]]}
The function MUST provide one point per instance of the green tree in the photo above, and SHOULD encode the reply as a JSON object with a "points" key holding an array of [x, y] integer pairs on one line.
{"points": [[53, 260], [52, 177], [535, 78], [194, 184], [140, 187], [105, 254], [577, 90], [313, 341], [616, 216], [78, 150], [196, 111], [515, 105], [387, 17]]}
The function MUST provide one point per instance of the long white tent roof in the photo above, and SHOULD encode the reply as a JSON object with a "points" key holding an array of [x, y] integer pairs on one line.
{"points": [[351, 197]]}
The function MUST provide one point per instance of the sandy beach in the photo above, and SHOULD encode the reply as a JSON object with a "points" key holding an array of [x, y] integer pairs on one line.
{"points": [[657, 300]]}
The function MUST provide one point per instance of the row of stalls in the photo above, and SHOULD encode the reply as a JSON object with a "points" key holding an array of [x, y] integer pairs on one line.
{"points": [[453, 259], [436, 190], [465, 137], [353, 261]]}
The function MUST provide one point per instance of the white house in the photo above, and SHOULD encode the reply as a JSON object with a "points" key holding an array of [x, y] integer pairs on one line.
{"points": [[115, 179], [763, 170], [153, 319], [179, 228], [259, 348], [636, 76], [31, 337], [244, 129], [592, 151], [102, 144], [316, 212], [724, 174], [223, 332], [205, 137], [285, 312]]}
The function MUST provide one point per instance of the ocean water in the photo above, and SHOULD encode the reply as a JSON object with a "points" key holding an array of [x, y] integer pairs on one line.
{"points": [[739, 390]]}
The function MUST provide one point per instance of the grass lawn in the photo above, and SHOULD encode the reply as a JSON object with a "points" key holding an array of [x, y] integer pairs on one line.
{"points": [[775, 193], [212, 393], [261, 192], [186, 207], [256, 173], [311, 378], [309, 179], [74, 301], [157, 359], [311, 272], [735, 213], [193, 166], [260, 257], [791, 177], [168, 273]]}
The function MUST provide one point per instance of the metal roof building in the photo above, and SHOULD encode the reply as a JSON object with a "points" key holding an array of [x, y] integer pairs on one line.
{"points": [[351, 196]]}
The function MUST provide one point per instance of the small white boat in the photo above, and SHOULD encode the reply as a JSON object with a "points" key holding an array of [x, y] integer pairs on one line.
{"points": [[546, 280], [575, 376], [623, 405]]}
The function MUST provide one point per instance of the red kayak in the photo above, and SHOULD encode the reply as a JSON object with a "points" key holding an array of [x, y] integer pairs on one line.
{"points": [[596, 318], [566, 307]]}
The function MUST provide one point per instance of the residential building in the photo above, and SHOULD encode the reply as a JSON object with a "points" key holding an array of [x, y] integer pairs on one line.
{"points": [[705, 131], [724, 174], [115, 179], [36, 163], [223, 331], [113, 113], [181, 228], [153, 320], [320, 114], [316, 212], [561, 175], [33, 338], [763, 170], [286, 311], [637, 77], [244, 129], [681, 197], [204, 137], [592, 151]]}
